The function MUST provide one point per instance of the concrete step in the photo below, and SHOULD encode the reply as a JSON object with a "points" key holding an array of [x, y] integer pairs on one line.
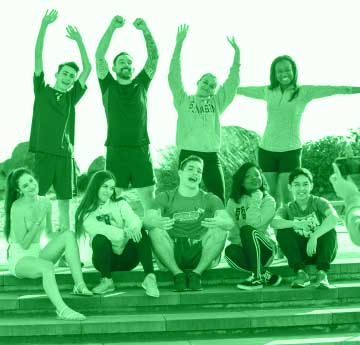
{"points": [[341, 269], [148, 326], [215, 298]]}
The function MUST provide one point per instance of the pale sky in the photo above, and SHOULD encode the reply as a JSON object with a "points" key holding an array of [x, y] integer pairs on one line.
{"points": [[322, 36]]}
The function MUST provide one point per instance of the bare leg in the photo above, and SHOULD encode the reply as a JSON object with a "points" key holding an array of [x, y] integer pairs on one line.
{"points": [[164, 249], [285, 194], [65, 243], [146, 195], [272, 180], [64, 214], [213, 243]]}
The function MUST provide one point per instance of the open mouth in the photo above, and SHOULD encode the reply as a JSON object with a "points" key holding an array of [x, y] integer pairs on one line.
{"points": [[193, 179]]}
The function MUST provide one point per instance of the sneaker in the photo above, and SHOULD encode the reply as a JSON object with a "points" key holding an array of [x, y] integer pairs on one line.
{"points": [[252, 283], [271, 279], [150, 286], [301, 280], [194, 281], [180, 282], [106, 285], [321, 281]]}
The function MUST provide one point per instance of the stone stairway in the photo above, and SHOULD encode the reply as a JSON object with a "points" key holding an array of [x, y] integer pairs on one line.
{"points": [[221, 314]]}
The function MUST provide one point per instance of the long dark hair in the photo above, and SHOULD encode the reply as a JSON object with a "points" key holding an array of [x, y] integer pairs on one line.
{"points": [[274, 83], [90, 200], [12, 194], [237, 188]]}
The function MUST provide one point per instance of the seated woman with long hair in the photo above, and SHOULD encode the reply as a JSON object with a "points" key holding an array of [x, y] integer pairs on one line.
{"points": [[252, 209], [118, 240], [26, 215]]}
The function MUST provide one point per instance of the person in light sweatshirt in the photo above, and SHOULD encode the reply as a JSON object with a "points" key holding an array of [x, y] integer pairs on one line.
{"points": [[252, 208], [198, 130], [118, 240]]}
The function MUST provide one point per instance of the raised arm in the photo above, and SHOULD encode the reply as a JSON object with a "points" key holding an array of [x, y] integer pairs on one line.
{"points": [[102, 68], [152, 51], [73, 34], [48, 18], [257, 92], [314, 92], [174, 76]]}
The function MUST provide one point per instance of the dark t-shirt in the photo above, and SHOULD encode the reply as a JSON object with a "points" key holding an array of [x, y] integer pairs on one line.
{"points": [[53, 122], [188, 212], [126, 110]]}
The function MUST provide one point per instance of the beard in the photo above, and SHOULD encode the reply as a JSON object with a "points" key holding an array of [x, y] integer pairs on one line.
{"points": [[125, 73]]}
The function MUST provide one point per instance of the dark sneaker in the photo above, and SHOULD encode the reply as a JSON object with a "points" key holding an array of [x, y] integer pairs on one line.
{"points": [[180, 282], [250, 284], [194, 281], [271, 279], [321, 281], [301, 280]]}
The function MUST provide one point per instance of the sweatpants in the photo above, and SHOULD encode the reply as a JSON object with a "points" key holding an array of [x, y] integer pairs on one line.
{"points": [[256, 252], [106, 261], [294, 247], [213, 175]]}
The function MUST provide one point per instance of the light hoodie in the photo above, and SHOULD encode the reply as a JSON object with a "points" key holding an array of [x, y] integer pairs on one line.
{"points": [[352, 217], [121, 217], [256, 210]]}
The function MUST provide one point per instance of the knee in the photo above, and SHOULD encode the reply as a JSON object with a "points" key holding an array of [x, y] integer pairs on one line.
{"points": [[158, 234], [231, 251], [246, 231], [68, 236], [100, 241], [46, 267], [217, 235]]}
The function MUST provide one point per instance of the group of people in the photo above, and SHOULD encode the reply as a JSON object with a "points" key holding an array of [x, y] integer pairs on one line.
{"points": [[185, 229]]}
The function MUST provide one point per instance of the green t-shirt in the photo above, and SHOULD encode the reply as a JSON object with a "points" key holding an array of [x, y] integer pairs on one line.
{"points": [[126, 110], [188, 212], [53, 121]]}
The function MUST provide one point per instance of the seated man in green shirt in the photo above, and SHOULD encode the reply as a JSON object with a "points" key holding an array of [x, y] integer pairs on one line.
{"points": [[306, 230], [188, 227]]}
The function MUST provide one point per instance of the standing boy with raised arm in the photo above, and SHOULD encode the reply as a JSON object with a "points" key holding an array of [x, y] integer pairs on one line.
{"points": [[125, 102], [53, 122]]}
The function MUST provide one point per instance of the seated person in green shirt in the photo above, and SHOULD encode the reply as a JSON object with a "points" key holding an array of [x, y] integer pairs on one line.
{"points": [[188, 227], [306, 230]]}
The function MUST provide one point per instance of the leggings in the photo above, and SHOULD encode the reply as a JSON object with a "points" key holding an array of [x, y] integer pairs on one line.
{"points": [[106, 261], [256, 253], [213, 175]]}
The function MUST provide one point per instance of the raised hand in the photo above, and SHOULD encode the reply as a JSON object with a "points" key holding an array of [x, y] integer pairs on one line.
{"points": [[182, 32], [49, 17], [343, 187], [233, 43], [140, 24], [73, 33], [117, 22]]}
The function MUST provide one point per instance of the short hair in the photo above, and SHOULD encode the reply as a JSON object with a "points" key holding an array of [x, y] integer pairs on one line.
{"points": [[120, 54], [300, 171], [71, 64], [208, 75], [191, 158]]}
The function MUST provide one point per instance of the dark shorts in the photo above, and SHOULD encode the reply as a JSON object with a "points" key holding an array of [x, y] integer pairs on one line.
{"points": [[57, 171], [187, 252], [279, 162], [131, 165]]}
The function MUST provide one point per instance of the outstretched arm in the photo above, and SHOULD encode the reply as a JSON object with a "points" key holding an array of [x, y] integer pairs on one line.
{"points": [[152, 51], [73, 34], [48, 18], [102, 68], [174, 76], [227, 91], [257, 92], [314, 92]]}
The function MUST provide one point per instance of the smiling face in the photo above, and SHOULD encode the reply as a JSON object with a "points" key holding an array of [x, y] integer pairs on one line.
{"points": [[123, 67], [284, 73], [191, 174], [65, 78], [206, 86], [252, 180], [28, 186], [301, 188], [106, 190]]}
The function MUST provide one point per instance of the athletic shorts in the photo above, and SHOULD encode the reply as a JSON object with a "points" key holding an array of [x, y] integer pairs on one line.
{"points": [[131, 165], [57, 171], [287, 161]]}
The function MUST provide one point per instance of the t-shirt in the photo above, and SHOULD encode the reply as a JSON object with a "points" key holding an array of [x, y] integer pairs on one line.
{"points": [[315, 211], [126, 110], [53, 121], [188, 212]]}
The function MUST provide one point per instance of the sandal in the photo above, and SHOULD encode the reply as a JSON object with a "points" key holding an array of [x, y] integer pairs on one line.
{"points": [[68, 314], [81, 290]]}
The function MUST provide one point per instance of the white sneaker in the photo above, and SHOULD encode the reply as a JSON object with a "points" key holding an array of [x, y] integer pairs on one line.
{"points": [[150, 285], [105, 285]]}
